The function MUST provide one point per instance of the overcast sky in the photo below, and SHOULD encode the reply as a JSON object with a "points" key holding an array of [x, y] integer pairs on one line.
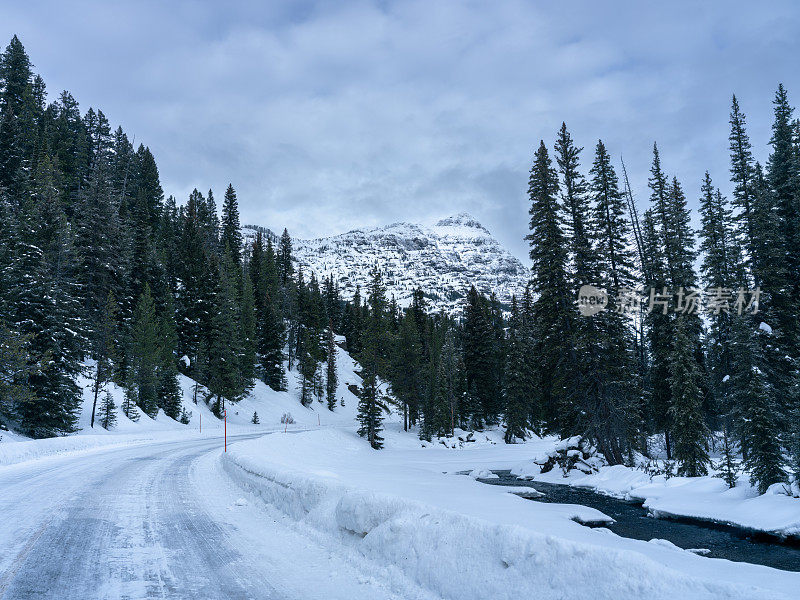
{"points": [[327, 116]]}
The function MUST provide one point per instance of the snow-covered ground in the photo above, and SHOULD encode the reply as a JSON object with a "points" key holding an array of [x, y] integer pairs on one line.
{"points": [[405, 506]]}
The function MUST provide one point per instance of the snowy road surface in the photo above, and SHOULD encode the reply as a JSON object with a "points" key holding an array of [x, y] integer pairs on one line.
{"points": [[162, 520]]}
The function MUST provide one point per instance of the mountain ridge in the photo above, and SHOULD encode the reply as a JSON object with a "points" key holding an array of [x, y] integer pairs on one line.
{"points": [[443, 260]]}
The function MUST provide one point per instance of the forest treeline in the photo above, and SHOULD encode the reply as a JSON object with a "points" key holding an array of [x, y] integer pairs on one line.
{"points": [[103, 276]]}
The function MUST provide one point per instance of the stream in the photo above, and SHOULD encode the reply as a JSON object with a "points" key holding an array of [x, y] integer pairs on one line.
{"points": [[632, 521]]}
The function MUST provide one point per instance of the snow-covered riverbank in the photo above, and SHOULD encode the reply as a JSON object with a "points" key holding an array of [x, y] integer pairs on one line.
{"points": [[705, 498], [406, 507]]}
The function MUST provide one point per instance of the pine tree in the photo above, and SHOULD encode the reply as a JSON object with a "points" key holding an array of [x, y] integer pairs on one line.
{"points": [[270, 347], [169, 390], [306, 364], [519, 384], [407, 375], [104, 350], [553, 317], [129, 402], [15, 370], [610, 415], [743, 177], [225, 346], [285, 268], [108, 414], [46, 310], [331, 379], [231, 230], [723, 272], [18, 110], [370, 416], [575, 199], [757, 404], [479, 359], [689, 429], [255, 420], [248, 334], [145, 354]]}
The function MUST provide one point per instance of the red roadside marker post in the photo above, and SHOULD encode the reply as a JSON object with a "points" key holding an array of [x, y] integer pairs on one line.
{"points": [[225, 413]]}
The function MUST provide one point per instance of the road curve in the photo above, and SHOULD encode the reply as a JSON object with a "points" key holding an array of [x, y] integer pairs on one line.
{"points": [[141, 522]]}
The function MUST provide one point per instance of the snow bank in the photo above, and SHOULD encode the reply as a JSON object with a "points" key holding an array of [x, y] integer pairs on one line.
{"points": [[492, 544], [11, 453]]}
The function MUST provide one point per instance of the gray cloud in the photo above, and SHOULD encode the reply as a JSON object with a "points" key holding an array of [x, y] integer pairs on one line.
{"points": [[329, 116]]}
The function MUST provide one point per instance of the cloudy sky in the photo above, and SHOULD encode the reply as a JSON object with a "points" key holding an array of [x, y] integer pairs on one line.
{"points": [[328, 116]]}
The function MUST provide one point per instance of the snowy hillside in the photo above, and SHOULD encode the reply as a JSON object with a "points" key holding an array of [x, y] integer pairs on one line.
{"points": [[270, 405], [443, 260]]}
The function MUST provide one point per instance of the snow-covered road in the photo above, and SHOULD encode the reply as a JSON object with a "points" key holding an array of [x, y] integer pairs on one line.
{"points": [[162, 520]]}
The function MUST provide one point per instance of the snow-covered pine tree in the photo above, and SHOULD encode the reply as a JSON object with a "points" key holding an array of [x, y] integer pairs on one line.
{"points": [[756, 404], [46, 309]]}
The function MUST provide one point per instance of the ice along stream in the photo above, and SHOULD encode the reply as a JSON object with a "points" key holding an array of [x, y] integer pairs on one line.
{"points": [[632, 521]]}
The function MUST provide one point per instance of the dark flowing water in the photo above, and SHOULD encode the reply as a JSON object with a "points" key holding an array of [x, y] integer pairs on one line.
{"points": [[632, 521]]}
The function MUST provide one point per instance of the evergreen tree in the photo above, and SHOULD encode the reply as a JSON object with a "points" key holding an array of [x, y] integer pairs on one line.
{"points": [[331, 379], [108, 412], [231, 230], [145, 354], [757, 404], [610, 415], [553, 317], [104, 350], [46, 310], [743, 177], [169, 390], [248, 334], [690, 432], [284, 261], [407, 372], [255, 420], [479, 359], [270, 347], [225, 346], [370, 416], [15, 370], [519, 385]]}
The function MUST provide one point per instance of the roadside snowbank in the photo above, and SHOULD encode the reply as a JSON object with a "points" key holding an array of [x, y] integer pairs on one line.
{"points": [[705, 498], [459, 538]]}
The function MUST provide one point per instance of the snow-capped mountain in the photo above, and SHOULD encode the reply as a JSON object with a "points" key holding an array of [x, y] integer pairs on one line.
{"points": [[443, 260]]}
